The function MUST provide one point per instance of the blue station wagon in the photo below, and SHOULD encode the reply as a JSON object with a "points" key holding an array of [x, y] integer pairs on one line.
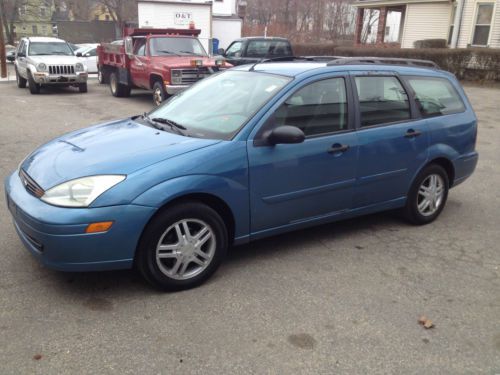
{"points": [[248, 153]]}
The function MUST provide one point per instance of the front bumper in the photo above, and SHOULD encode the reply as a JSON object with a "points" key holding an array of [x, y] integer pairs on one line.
{"points": [[44, 78], [174, 89], [56, 235]]}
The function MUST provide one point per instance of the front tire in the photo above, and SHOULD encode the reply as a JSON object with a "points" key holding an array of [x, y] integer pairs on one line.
{"points": [[33, 86], [182, 246], [428, 195], [82, 87], [21, 82], [159, 93], [117, 89]]}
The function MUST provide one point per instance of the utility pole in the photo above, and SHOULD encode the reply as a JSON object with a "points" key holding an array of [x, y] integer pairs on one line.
{"points": [[3, 63]]}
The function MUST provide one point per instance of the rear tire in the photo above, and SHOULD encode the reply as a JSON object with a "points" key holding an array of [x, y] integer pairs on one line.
{"points": [[33, 86], [159, 93], [171, 257], [82, 87], [427, 196], [21, 82], [117, 89], [101, 76]]}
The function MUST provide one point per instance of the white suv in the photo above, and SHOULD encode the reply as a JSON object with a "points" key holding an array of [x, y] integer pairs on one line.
{"points": [[48, 61]]}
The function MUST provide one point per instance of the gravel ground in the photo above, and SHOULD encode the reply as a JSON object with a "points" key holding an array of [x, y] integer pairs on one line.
{"points": [[339, 298]]}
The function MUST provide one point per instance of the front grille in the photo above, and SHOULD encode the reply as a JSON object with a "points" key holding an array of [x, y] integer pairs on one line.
{"points": [[61, 69], [30, 185], [190, 76]]}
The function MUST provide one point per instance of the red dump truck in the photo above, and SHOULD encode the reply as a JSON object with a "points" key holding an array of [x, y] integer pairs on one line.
{"points": [[163, 60]]}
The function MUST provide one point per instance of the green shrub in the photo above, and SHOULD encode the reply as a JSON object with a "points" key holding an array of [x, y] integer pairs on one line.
{"points": [[465, 63], [430, 43]]}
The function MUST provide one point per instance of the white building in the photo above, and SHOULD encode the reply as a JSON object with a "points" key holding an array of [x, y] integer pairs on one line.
{"points": [[216, 18], [463, 23]]}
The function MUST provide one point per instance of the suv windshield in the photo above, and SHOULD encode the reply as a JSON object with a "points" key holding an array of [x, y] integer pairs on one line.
{"points": [[49, 48], [217, 107], [176, 46]]}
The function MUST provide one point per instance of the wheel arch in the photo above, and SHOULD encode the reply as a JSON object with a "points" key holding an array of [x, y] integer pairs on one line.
{"points": [[447, 166], [153, 77], [214, 202]]}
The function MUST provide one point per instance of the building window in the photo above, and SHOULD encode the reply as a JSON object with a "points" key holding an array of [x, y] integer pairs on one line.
{"points": [[42, 12], [34, 29], [483, 24], [22, 10], [452, 21]]}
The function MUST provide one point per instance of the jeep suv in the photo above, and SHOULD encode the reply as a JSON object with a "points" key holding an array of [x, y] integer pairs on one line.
{"points": [[245, 154], [48, 61]]}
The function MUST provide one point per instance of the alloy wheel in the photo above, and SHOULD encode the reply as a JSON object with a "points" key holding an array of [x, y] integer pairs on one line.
{"points": [[185, 249], [430, 195]]}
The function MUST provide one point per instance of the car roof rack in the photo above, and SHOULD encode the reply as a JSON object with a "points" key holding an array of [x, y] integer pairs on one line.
{"points": [[340, 60]]}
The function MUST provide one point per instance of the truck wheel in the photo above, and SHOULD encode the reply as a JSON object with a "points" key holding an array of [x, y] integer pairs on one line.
{"points": [[21, 82], [82, 87], [182, 246], [159, 93], [33, 86], [117, 89], [101, 77]]}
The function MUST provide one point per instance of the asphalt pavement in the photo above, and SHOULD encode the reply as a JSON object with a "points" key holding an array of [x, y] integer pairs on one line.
{"points": [[342, 298]]}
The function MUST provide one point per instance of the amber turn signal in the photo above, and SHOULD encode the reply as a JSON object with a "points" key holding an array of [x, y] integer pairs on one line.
{"points": [[102, 226]]}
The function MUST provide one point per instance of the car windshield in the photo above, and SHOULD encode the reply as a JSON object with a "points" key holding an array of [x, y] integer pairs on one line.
{"points": [[176, 46], [217, 107], [49, 48]]}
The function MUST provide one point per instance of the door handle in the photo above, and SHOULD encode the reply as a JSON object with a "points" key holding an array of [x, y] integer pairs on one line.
{"points": [[412, 133], [336, 148]]}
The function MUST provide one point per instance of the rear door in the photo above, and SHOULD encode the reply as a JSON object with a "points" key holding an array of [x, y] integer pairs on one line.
{"points": [[21, 60], [393, 139]]}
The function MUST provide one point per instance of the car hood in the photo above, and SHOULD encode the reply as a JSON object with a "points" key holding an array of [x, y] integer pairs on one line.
{"points": [[55, 59], [174, 62], [119, 147]]}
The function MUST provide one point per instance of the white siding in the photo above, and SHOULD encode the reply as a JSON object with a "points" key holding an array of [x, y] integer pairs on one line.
{"points": [[426, 21], [224, 7], [162, 15], [468, 21]]}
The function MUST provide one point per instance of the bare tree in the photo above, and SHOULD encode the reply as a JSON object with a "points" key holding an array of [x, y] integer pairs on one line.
{"points": [[121, 11]]}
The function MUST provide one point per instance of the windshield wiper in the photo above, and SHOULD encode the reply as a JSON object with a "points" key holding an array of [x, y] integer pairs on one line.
{"points": [[158, 121], [191, 53], [167, 52]]}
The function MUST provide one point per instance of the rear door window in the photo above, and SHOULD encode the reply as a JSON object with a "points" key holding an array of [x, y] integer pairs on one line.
{"points": [[382, 100], [435, 96]]}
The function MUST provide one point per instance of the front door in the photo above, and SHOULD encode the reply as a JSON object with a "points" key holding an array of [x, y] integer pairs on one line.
{"points": [[393, 140], [292, 184], [139, 64]]}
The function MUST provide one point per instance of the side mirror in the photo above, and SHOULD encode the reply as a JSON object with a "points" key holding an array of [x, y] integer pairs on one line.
{"points": [[129, 46], [286, 135], [78, 54], [221, 51]]}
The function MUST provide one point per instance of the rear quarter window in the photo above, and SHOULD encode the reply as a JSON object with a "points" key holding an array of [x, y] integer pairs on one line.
{"points": [[436, 96]]}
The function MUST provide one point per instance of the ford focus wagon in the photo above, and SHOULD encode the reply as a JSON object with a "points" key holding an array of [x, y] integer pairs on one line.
{"points": [[245, 154]]}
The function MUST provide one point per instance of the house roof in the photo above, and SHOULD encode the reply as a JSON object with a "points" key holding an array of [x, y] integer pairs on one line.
{"points": [[378, 3]]}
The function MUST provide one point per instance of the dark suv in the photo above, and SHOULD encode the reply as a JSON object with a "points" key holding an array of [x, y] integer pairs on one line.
{"points": [[253, 49]]}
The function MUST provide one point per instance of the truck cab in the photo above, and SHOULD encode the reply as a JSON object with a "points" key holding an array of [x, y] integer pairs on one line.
{"points": [[165, 61]]}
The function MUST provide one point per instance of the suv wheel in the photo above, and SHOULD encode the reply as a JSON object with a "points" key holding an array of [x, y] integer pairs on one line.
{"points": [[82, 87], [428, 195], [159, 93], [117, 89], [182, 247], [33, 86], [21, 82]]}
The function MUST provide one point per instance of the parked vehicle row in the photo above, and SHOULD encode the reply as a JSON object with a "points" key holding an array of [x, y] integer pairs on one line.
{"points": [[248, 153]]}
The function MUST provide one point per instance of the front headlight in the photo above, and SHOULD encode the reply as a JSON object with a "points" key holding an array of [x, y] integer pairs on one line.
{"points": [[41, 67], [80, 192], [79, 67]]}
